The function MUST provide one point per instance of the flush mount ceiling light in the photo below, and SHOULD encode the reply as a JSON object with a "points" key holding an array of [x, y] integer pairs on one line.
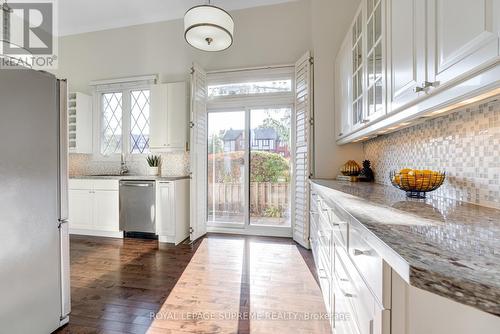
{"points": [[208, 28]]}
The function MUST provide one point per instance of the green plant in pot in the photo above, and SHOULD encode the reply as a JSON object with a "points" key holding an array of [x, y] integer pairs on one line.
{"points": [[154, 162]]}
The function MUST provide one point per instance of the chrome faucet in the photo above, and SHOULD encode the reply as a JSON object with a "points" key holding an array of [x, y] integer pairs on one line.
{"points": [[123, 165]]}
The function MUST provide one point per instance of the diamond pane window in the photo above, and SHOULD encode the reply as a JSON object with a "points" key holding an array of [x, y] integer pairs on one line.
{"points": [[139, 121], [111, 128]]}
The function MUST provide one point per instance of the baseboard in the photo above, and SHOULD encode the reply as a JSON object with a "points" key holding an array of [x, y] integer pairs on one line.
{"points": [[96, 233], [64, 321], [284, 232], [166, 239]]}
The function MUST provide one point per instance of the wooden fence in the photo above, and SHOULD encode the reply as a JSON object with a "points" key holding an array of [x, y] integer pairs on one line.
{"points": [[265, 197]]}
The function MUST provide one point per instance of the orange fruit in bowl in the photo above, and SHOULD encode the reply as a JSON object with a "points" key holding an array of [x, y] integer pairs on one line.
{"points": [[426, 183], [405, 171], [415, 172], [411, 181]]}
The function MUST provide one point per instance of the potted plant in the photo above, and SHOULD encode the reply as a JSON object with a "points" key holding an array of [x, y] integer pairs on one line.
{"points": [[154, 164]]}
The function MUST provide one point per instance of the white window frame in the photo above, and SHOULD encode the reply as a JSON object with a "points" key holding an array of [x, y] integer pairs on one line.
{"points": [[251, 75], [124, 86]]}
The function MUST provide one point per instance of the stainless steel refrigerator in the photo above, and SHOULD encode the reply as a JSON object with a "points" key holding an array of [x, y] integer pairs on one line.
{"points": [[34, 243]]}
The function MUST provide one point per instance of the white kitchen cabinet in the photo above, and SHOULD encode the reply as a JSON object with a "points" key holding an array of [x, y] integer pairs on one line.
{"points": [[417, 311], [357, 116], [374, 86], [79, 123], [356, 286], [172, 210], [463, 35], [412, 59], [343, 91], [80, 209], [94, 207], [406, 56], [106, 210], [366, 294], [169, 117]]}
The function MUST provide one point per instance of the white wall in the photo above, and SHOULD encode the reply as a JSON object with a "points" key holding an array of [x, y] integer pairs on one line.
{"points": [[267, 35], [330, 21]]}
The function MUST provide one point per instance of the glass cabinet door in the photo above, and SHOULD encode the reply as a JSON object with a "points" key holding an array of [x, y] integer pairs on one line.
{"points": [[375, 56], [357, 70]]}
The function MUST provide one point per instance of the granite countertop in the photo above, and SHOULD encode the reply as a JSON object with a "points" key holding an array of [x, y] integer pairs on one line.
{"points": [[451, 248], [129, 177]]}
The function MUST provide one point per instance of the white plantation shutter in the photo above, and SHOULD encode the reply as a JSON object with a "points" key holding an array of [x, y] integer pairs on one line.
{"points": [[198, 125], [302, 150]]}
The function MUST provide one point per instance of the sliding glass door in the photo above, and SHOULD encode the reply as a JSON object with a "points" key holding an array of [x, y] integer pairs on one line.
{"points": [[249, 167], [226, 167], [270, 166]]}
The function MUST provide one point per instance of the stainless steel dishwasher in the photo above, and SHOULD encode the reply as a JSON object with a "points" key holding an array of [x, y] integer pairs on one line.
{"points": [[137, 207]]}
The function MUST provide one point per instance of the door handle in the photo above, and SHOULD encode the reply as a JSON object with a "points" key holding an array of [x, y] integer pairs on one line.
{"points": [[61, 222]]}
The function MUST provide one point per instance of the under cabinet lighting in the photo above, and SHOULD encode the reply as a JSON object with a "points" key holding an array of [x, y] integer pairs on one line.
{"points": [[464, 103]]}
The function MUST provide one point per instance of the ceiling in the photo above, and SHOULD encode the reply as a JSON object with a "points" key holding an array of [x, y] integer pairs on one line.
{"points": [[78, 16]]}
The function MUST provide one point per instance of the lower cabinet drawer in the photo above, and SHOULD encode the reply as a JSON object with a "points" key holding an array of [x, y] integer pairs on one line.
{"points": [[370, 265], [326, 284], [338, 218], [106, 184], [325, 238], [344, 322], [367, 312], [80, 184]]}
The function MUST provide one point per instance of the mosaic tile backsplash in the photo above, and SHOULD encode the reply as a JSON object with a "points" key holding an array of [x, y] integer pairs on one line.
{"points": [[173, 164], [464, 144]]}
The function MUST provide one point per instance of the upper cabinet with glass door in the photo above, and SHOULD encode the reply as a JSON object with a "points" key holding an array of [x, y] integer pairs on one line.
{"points": [[357, 118], [411, 57], [343, 88], [375, 65]]}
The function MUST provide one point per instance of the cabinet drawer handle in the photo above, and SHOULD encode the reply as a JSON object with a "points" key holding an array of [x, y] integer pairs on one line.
{"points": [[322, 276], [348, 295], [358, 252], [339, 223], [365, 121], [427, 84], [418, 89]]}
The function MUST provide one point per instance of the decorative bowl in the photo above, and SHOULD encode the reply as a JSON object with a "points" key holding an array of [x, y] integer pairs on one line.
{"points": [[350, 168], [417, 183]]}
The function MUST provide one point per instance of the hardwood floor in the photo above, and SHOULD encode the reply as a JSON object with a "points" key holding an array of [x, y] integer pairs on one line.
{"points": [[222, 284]]}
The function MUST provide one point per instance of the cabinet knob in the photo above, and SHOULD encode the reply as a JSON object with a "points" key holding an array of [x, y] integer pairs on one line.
{"points": [[341, 134]]}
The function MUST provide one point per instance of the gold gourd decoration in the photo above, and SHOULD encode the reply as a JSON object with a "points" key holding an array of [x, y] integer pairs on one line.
{"points": [[350, 168]]}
